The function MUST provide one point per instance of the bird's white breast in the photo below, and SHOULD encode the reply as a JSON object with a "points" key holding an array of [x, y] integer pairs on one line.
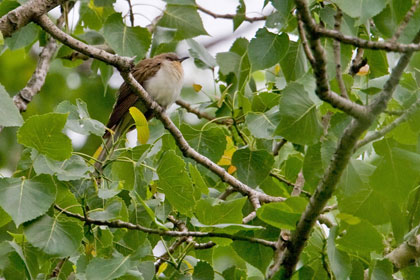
{"points": [[166, 85]]}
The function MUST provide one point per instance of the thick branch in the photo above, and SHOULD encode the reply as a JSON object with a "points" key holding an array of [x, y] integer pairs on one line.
{"points": [[202, 115], [121, 63], [406, 254], [24, 14], [229, 16], [127, 225]]}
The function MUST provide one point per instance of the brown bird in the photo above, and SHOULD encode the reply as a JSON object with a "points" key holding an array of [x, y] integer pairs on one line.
{"points": [[162, 77]]}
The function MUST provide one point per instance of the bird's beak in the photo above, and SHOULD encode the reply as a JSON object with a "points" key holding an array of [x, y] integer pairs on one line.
{"points": [[183, 58]]}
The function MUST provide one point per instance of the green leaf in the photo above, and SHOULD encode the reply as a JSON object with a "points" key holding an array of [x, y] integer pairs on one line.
{"points": [[263, 125], [299, 119], [184, 18], [23, 37], [397, 174], [58, 237], [25, 199], [107, 269], [113, 209], [378, 63], [202, 58], [388, 20], [355, 176], [73, 168], [240, 15], [294, 64], [9, 114], [175, 183], [126, 41], [283, 215], [382, 270], [339, 260], [228, 62], [79, 119], [43, 132], [203, 271], [362, 237], [362, 9], [210, 142], [267, 49], [256, 254], [253, 166], [234, 273], [214, 211], [198, 180]]}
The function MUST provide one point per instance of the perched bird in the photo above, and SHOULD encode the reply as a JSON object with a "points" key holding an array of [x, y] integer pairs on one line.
{"points": [[162, 77]]}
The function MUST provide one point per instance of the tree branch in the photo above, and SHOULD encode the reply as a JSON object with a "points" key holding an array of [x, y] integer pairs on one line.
{"points": [[21, 16], [302, 36], [228, 16], [202, 115], [406, 254], [127, 225], [379, 133], [121, 63]]}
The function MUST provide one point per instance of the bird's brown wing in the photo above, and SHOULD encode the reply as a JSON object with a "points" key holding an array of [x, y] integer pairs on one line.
{"points": [[126, 98]]}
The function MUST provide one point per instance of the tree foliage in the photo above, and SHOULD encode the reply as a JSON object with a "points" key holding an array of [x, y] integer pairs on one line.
{"points": [[306, 149]]}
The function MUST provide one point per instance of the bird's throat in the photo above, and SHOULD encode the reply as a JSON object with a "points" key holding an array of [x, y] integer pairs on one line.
{"points": [[166, 85]]}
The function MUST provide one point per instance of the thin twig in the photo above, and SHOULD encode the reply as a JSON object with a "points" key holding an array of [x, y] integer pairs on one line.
{"points": [[304, 40], [202, 115], [130, 9], [229, 16], [320, 71], [131, 226], [256, 204], [57, 269], [380, 133], [278, 146], [337, 56]]}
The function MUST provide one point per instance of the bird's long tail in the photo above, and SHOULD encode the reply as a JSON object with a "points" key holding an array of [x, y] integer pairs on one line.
{"points": [[110, 141]]}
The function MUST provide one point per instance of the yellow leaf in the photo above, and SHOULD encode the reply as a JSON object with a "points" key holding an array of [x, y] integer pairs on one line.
{"points": [[227, 155], [190, 267], [142, 126], [363, 71], [1, 39], [231, 169], [162, 268], [197, 87], [97, 153], [276, 69]]}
